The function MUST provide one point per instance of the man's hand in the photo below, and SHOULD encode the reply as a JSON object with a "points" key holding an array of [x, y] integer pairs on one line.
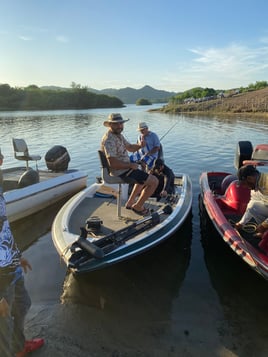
{"points": [[142, 142], [133, 166], [260, 228]]}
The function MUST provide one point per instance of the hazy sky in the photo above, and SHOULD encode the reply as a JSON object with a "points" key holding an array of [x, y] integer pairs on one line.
{"points": [[168, 44]]}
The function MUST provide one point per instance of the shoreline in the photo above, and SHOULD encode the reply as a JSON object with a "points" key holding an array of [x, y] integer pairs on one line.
{"points": [[254, 104]]}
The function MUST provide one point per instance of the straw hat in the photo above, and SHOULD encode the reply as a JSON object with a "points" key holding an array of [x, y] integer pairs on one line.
{"points": [[142, 125], [114, 118]]}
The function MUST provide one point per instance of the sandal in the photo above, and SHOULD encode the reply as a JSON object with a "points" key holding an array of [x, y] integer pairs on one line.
{"points": [[143, 212], [128, 207]]}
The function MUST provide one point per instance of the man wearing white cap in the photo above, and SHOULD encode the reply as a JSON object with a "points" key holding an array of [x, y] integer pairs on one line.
{"points": [[150, 146], [116, 148]]}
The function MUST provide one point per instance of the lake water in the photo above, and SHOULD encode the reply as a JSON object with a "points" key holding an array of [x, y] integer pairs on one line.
{"points": [[180, 299]]}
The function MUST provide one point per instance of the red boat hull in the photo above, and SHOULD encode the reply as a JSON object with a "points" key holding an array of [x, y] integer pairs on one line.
{"points": [[225, 206]]}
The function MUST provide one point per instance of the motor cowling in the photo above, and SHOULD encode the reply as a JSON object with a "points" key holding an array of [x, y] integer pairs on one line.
{"points": [[57, 158], [243, 152]]}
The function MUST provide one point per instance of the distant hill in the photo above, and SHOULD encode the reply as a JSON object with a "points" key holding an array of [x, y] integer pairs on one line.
{"points": [[130, 95]]}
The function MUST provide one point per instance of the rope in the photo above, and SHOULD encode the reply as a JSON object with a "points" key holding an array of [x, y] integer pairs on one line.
{"points": [[248, 227]]}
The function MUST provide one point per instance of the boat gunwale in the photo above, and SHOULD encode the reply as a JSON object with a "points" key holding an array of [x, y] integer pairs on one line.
{"points": [[52, 183]]}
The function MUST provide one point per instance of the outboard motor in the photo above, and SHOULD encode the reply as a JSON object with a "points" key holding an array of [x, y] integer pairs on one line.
{"points": [[57, 158], [243, 152]]}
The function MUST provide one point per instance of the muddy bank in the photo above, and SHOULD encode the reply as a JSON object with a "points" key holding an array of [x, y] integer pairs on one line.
{"points": [[154, 305]]}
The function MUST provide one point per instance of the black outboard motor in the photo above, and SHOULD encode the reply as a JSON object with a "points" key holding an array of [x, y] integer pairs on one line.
{"points": [[243, 152], [57, 158]]}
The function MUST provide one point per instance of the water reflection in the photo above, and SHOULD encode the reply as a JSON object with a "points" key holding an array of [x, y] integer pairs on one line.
{"points": [[143, 287], [155, 280], [242, 293], [28, 230]]}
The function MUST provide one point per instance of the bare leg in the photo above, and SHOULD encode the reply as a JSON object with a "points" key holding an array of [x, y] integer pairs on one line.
{"points": [[134, 193], [149, 187]]}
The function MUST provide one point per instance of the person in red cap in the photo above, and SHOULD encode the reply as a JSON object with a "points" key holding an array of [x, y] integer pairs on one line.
{"points": [[14, 298]]}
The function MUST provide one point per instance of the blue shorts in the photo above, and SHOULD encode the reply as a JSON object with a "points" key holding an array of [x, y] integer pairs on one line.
{"points": [[135, 176]]}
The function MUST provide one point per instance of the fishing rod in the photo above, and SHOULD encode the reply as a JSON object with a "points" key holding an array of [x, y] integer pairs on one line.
{"points": [[168, 131], [106, 244]]}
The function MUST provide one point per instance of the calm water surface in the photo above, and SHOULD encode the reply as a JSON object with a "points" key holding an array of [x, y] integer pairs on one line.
{"points": [[183, 296]]}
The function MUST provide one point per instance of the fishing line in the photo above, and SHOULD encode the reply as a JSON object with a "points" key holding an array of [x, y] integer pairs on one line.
{"points": [[168, 131]]}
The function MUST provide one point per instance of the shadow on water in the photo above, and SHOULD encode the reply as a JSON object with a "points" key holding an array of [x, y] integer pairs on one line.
{"points": [[150, 280], [242, 293], [28, 230], [33, 238], [124, 310]]}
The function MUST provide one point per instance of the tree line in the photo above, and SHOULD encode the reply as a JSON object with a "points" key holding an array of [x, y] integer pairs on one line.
{"points": [[35, 98], [200, 92]]}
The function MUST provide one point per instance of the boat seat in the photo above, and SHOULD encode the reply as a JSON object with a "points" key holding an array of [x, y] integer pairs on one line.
{"points": [[226, 182], [21, 152], [235, 199], [28, 178], [108, 178]]}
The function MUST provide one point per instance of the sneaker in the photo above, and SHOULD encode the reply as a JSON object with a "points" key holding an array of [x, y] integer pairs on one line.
{"points": [[31, 346]]}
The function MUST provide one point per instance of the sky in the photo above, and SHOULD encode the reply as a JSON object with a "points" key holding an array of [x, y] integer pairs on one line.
{"points": [[171, 45]]}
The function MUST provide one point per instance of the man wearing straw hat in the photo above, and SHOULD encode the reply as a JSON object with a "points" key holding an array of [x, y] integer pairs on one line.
{"points": [[116, 148]]}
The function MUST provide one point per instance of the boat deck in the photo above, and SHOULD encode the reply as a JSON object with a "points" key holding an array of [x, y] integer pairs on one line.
{"points": [[11, 177], [105, 211]]}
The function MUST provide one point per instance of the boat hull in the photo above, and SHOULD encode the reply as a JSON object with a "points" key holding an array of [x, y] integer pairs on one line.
{"points": [[224, 209], [23, 202], [65, 234]]}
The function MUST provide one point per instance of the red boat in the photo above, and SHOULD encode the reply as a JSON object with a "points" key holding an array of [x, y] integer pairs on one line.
{"points": [[225, 201]]}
